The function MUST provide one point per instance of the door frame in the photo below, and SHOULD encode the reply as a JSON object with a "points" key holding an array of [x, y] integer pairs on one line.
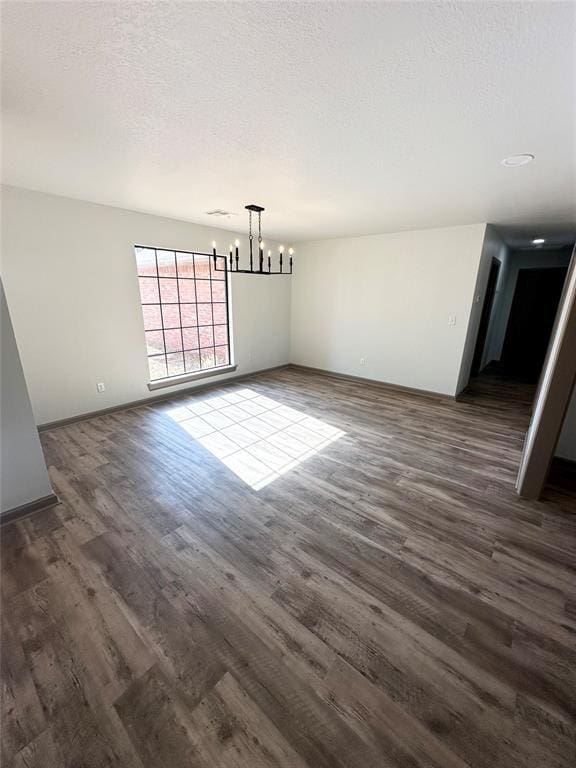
{"points": [[552, 395], [485, 317]]}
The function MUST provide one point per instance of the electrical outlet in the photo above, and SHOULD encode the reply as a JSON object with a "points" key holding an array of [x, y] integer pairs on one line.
{"points": [[362, 361], [451, 319], [101, 386]]}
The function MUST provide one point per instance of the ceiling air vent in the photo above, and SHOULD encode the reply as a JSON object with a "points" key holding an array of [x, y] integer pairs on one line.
{"points": [[220, 212]]}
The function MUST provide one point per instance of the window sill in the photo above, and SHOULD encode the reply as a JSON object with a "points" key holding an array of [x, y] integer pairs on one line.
{"points": [[173, 381]]}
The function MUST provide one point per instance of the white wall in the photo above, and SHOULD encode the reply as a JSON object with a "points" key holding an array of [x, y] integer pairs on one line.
{"points": [[24, 476], [70, 277], [493, 247], [387, 298]]}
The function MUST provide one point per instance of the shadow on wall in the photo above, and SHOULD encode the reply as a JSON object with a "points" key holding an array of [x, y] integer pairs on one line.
{"points": [[24, 474], [493, 249]]}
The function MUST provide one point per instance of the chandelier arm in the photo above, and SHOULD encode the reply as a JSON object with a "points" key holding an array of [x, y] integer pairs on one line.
{"points": [[250, 237], [260, 248], [285, 266]]}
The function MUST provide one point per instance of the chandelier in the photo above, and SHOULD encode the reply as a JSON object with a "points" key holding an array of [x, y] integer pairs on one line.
{"points": [[263, 266]]}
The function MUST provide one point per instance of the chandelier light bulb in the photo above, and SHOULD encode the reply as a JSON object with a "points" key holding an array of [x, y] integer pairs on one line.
{"points": [[237, 243], [281, 249], [291, 251]]}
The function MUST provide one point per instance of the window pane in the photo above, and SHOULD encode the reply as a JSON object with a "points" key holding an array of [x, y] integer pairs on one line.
{"points": [[221, 355], [157, 366], [202, 267], [175, 364], [192, 361], [220, 334], [187, 291], [152, 317], [203, 292], [188, 313], [206, 337], [154, 342], [146, 261], [204, 314], [219, 311], [185, 263], [190, 338], [171, 315], [207, 358], [173, 340], [166, 263], [168, 290], [149, 290], [219, 291]]}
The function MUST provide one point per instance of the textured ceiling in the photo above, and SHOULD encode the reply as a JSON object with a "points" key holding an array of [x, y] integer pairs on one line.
{"points": [[341, 118]]}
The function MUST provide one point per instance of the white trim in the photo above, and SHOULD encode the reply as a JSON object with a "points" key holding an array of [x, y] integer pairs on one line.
{"points": [[173, 381]]}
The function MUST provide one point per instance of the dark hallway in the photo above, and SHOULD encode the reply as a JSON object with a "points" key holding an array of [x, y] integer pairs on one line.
{"points": [[520, 305], [531, 320]]}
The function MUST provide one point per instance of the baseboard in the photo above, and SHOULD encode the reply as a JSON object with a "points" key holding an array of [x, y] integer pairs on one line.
{"points": [[12, 515], [234, 379], [156, 398], [372, 382]]}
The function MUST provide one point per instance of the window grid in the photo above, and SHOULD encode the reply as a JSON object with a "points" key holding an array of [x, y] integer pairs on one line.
{"points": [[174, 362]]}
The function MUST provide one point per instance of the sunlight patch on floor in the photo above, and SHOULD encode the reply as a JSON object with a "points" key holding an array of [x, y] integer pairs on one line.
{"points": [[256, 437]]}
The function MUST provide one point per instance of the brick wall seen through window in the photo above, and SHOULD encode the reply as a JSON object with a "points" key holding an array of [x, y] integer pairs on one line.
{"points": [[185, 309]]}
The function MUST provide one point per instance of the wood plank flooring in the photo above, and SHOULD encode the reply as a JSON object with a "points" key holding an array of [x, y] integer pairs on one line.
{"points": [[387, 602]]}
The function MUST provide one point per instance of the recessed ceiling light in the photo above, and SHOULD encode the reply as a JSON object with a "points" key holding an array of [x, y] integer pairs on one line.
{"points": [[515, 160], [220, 212], [538, 241]]}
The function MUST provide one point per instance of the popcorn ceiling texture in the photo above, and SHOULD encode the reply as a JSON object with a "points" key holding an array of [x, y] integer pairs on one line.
{"points": [[341, 118]]}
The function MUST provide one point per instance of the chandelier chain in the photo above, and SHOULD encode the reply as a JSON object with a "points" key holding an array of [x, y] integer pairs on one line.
{"points": [[234, 266]]}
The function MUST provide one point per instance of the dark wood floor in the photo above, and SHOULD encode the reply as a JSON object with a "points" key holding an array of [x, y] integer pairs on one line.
{"points": [[387, 602]]}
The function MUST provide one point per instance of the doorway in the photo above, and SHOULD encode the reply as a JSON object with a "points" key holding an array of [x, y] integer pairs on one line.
{"points": [[485, 318], [530, 322]]}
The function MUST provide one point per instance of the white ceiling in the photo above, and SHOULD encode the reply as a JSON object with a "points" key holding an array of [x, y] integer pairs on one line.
{"points": [[340, 117]]}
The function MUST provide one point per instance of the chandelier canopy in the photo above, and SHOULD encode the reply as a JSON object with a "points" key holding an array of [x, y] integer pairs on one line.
{"points": [[232, 262]]}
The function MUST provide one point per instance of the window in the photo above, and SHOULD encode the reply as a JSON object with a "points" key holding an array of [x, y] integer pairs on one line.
{"points": [[185, 309]]}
